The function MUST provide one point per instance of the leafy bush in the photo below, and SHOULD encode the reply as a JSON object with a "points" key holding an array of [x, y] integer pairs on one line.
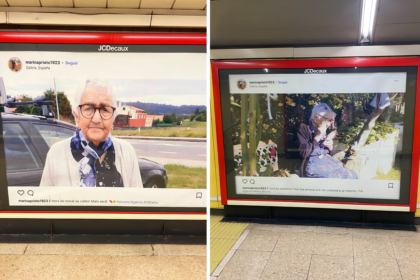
{"points": [[192, 117], [347, 134], [200, 118], [396, 117], [165, 125], [169, 118]]}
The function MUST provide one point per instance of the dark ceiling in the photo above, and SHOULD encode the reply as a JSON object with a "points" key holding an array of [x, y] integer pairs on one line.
{"points": [[294, 23]]}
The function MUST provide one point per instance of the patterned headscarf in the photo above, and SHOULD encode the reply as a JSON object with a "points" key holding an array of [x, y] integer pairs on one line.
{"points": [[323, 110], [87, 154]]}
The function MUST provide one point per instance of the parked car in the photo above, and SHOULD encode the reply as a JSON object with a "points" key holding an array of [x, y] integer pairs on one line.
{"points": [[27, 140]]}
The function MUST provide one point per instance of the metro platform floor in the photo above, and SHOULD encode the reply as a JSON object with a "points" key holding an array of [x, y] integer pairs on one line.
{"points": [[316, 252], [102, 261]]}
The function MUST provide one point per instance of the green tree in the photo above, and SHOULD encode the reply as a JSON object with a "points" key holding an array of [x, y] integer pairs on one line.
{"points": [[24, 109], [63, 103], [197, 111], [37, 111], [180, 118], [155, 122], [169, 118]]}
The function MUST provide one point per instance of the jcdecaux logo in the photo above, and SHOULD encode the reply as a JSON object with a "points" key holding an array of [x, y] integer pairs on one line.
{"points": [[314, 71], [108, 48]]}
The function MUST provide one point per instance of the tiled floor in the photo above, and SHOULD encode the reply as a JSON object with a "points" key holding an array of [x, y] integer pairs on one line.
{"points": [[85, 261], [313, 252], [222, 237]]}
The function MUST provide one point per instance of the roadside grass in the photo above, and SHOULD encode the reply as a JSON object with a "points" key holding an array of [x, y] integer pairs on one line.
{"points": [[194, 132], [393, 174], [187, 123], [182, 177]]}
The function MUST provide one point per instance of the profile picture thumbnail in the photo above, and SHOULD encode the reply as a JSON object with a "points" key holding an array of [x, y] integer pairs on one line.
{"points": [[241, 84], [15, 64]]}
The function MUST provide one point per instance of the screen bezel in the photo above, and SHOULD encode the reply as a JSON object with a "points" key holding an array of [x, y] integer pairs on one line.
{"points": [[220, 72], [61, 41]]}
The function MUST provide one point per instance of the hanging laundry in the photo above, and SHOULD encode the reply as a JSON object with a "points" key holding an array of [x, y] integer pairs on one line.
{"points": [[273, 96], [381, 101]]}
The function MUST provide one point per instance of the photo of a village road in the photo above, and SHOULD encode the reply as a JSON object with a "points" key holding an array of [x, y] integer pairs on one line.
{"points": [[189, 154]]}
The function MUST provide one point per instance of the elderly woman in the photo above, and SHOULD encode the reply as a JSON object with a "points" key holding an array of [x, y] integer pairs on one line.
{"points": [[92, 158], [316, 147]]}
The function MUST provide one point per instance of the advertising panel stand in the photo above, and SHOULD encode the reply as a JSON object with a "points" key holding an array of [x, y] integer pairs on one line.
{"points": [[332, 140], [75, 163]]}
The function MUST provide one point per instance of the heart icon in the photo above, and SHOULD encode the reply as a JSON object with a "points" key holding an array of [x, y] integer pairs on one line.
{"points": [[244, 181], [20, 192]]}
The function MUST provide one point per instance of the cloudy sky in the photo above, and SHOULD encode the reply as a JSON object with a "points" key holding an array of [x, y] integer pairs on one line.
{"points": [[134, 76], [173, 92]]}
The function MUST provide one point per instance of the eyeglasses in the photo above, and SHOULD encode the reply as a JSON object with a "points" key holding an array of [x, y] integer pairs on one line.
{"points": [[325, 119], [106, 112]]}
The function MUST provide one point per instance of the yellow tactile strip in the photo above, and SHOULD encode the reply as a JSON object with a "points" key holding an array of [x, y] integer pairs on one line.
{"points": [[222, 237]]}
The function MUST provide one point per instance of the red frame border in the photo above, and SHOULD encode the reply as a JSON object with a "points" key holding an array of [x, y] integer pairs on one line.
{"points": [[320, 63], [99, 212], [104, 38]]}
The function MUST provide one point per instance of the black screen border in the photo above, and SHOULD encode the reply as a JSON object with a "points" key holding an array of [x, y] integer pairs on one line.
{"points": [[90, 48], [408, 133]]}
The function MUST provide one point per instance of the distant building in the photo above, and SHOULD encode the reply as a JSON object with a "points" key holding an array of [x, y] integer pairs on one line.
{"points": [[151, 118], [129, 116]]}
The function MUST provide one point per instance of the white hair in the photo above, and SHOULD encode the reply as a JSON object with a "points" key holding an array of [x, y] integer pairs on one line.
{"points": [[322, 110], [92, 83]]}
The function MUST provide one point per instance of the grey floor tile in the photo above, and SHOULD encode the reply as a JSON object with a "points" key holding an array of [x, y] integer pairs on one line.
{"points": [[370, 231], [296, 243], [405, 247], [333, 244], [405, 233], [374, 246], [135, 267], [223, 263], [409, 268], [250, 226], [245, 265], [331, 267], [240, 240], [8, 265], [86, 267], [260, 241], [12, 248], [177, 267], [90, 249], [376, 269], [286, 267], [179, 250], [293, 228], [40, 267], [336, 230]]}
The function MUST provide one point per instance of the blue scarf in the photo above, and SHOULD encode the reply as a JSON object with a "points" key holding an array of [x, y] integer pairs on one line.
{"points": [[87, 154]]}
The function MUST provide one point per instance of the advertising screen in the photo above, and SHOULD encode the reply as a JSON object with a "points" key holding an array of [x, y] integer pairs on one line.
{"points": [[335, 134], [88, 125]]}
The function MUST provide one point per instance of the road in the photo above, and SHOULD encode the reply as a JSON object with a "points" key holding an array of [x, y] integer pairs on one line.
{"points": [[191, 154]]}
